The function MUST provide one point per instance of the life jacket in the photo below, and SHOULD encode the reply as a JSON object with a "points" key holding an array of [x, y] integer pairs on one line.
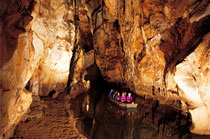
{"points": [[123, 98], [129, 98]]}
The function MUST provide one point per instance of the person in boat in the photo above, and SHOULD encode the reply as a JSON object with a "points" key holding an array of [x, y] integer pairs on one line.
{"points": [[123, 97], [111, 92], [118, 96], [114, 94], [129, 98]]}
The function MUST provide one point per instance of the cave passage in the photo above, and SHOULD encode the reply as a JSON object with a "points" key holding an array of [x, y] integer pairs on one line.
{"points": [[98, 118], [60, 58]]}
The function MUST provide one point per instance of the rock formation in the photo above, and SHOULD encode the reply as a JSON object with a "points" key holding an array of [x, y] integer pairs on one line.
{"points": [[143, 45], [192, 76], [36, 42], [153, 47], [18, 60]]}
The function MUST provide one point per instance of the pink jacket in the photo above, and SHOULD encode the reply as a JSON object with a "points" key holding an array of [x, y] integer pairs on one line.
{"points": [[123, 98], [129, 99]]}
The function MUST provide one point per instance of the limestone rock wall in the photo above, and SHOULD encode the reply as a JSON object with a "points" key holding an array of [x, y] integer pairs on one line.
{"points": [[83, 70], [193, 77], [53, 34], [36, 48], [18, 60], [140, 42]]}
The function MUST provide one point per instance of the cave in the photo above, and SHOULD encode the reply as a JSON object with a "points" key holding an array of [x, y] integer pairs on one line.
{"points": [[59, 59]]}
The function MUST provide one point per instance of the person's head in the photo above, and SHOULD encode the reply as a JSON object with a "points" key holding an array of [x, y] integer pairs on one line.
{"points": [[118, 93], [129, 94]]}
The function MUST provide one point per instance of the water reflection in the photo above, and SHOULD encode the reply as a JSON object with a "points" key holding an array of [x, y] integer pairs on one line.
{"points": [[99, 119]]}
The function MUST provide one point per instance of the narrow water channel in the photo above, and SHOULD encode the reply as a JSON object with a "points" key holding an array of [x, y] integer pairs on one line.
{"points": [[97, 118]]}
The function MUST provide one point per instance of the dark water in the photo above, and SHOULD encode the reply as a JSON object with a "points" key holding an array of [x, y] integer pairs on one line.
{"points": [[103, 120]]}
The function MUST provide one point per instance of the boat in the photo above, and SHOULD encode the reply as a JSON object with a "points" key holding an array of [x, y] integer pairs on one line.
{"points": [[123, 105]]}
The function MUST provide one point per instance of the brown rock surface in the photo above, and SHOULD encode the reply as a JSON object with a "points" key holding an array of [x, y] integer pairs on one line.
{"points": [[38, 48], [18, 60], [139, 44], [14, 104], [140, 41], [53, 32], [55, 123]]}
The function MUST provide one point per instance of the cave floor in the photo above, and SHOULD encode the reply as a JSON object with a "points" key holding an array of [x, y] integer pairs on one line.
{"points": [[55, 122]]}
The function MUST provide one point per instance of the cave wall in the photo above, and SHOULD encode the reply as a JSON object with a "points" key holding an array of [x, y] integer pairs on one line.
{"points": [[140, 42], [142, 45], [17, 63], [36, 48], [193, 77], [53, 32]]}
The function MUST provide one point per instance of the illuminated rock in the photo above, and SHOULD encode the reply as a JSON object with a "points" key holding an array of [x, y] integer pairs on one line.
{"points": [[193, 77], [14, 104], [36, 41], [53, 32]]}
